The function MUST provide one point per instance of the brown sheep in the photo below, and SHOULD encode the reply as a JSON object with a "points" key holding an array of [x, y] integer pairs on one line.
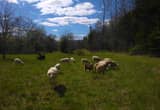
{"points": [[88, 66]]}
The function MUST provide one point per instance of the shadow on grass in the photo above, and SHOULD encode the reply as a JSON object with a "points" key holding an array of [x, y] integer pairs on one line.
{"points": [[60, 89]]}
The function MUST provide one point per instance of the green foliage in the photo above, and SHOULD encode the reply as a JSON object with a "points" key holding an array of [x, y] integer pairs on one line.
{"points": [[67, 43], [134, 28], [137, 50], [81, 52]]}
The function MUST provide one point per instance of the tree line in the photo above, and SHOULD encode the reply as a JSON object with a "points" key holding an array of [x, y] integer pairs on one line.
{"points": [[133, 26]]}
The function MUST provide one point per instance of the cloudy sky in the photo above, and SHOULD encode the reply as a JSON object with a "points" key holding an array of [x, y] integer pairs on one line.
{"points": [[60, 16]]}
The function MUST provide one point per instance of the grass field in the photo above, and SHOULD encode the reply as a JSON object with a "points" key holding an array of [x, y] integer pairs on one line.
{"points": [[134, 86]]}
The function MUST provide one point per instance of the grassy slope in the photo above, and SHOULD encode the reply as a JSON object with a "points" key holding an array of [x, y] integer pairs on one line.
{"points": [[135, 86]]}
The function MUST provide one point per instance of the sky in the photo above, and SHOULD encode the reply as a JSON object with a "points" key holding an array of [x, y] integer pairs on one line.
{"points": [[60, 16]]}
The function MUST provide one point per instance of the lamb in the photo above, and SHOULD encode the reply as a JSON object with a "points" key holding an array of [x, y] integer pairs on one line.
{"points": [[84, 60], [72, 59], [65, 60], [88, 66], [58, 66], [96, 58], [52, 72], [18, 61]]}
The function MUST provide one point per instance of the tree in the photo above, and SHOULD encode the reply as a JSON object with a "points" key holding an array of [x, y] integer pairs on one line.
{"points": [[11, 25], [36, 39], [67, 43], [50, 43], [6, 25]]}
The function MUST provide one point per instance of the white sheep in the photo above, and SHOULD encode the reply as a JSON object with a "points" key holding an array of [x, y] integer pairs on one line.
{"points": [[101, 66], [85, 60], [96, 58], [107, 59], [105, 64], [52, 72], [72, 59], [18, 61], [65, 60], [57, 66]]}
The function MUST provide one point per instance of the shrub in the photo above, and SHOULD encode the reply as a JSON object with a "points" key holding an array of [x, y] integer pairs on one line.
{"points": [[137, 50], [81, 52]]}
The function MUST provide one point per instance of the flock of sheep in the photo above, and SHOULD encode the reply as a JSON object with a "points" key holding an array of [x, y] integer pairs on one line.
{"points": [[99, 65]]}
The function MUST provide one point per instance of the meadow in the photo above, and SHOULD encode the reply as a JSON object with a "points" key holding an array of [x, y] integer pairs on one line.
{"points": [[134, 86]]}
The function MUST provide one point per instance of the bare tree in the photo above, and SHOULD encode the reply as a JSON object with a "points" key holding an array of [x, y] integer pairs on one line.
{"points": [[11, 25], [6, 24]]}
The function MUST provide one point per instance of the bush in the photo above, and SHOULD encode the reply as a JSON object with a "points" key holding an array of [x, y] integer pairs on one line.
{"points": [[137, 50], [81, 52]]}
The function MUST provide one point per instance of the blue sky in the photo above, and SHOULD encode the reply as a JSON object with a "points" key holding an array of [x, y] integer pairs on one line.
{"points": [[60, 16]]}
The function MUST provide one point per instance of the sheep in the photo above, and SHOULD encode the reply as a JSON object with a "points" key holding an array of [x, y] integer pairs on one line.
{"points": [[18, 61], [58, 66], [65, 60], [105, 64], [107, 59], [41, 56], [72, 59], [101, 66], [96, 58], [84, 60], [52, 72], [88, 66], [113, 65]]}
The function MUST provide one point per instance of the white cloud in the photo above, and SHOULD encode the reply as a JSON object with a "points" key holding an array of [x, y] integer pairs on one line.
{"points": [[63, 21], [12, 1], [65, 11], [51, 6], [61, 7], [48, 24]]}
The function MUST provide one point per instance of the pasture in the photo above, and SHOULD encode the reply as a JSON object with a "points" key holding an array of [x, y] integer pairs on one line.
{"points": [[134, 86]]}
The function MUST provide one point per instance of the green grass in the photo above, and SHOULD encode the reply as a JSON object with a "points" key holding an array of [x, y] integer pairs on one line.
{"points": [[134, 86]]}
